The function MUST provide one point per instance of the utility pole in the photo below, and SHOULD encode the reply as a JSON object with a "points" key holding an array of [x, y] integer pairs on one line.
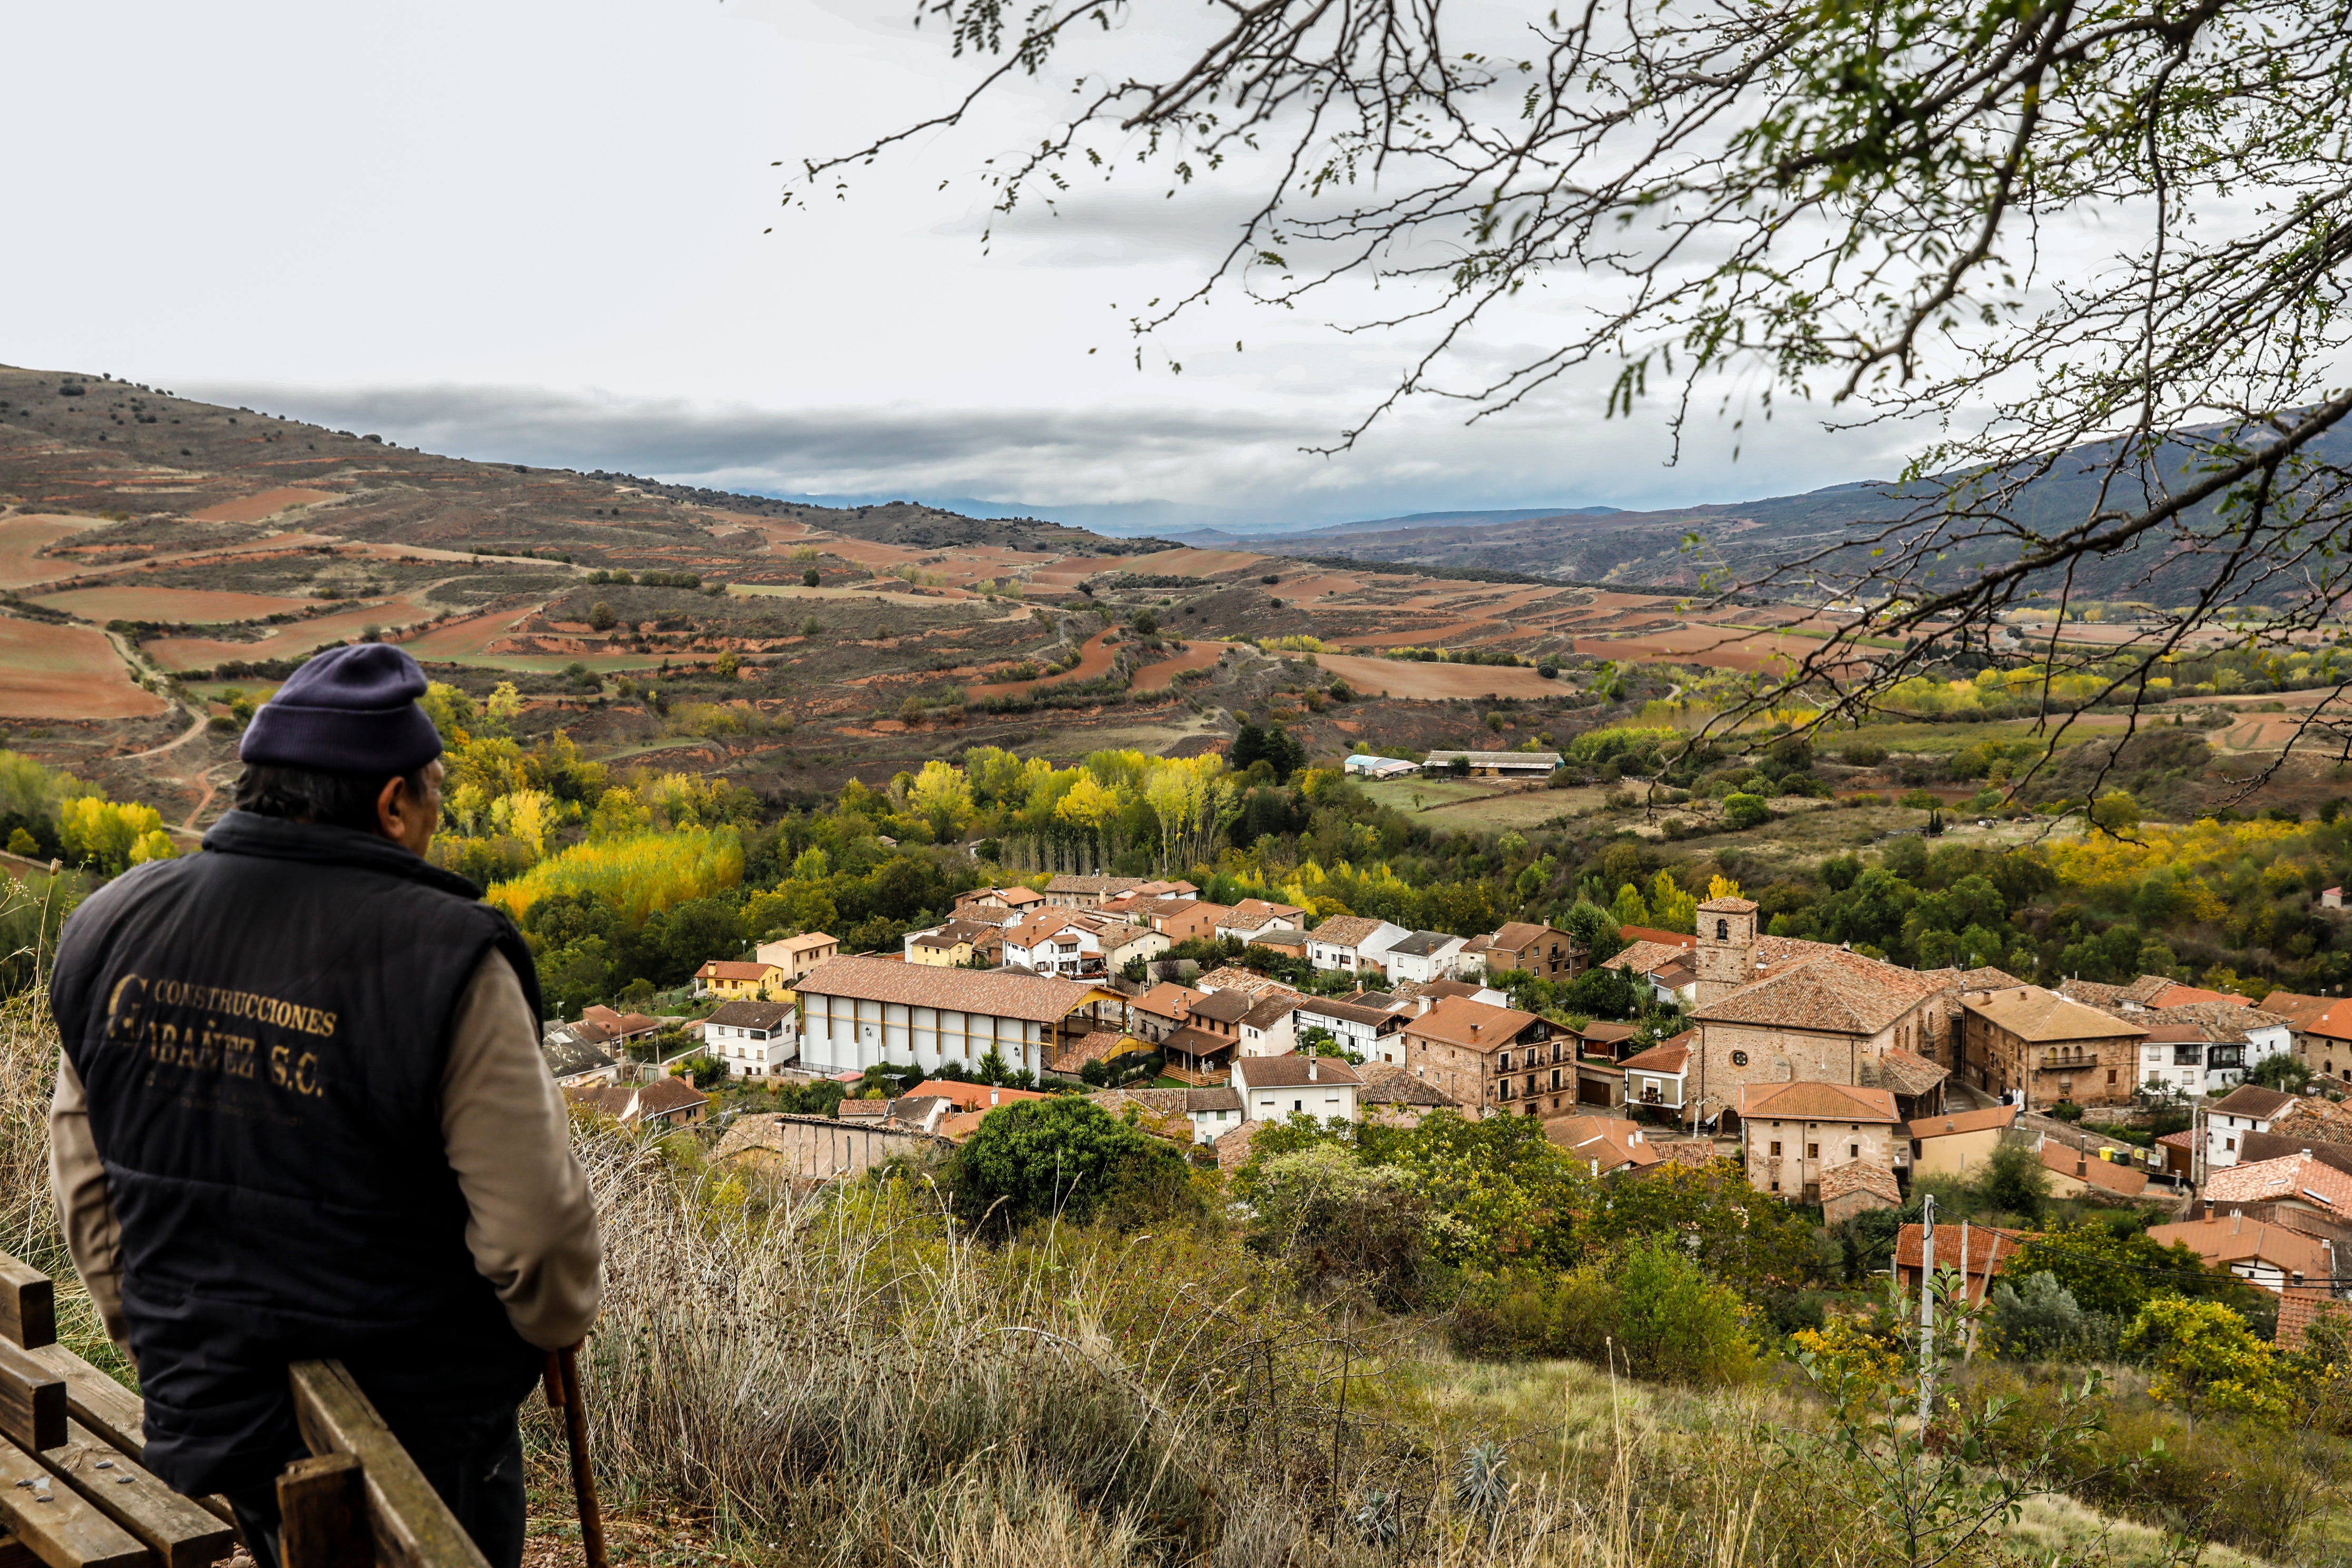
{"points": [[1926, 1310]]}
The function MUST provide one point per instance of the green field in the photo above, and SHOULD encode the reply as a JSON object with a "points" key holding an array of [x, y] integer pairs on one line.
{"points": [[1943, 740]]}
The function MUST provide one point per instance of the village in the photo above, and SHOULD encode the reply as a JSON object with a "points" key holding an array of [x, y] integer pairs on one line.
{"points": [[1829, 1078]]}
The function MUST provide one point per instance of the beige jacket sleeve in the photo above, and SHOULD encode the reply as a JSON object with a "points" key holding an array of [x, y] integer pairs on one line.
{"points": [[84, 1205], [532, 1226]]}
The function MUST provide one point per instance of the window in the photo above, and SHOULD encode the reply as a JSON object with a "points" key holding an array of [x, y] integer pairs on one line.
{"points": [[1853, 1151], [1776, 1154], [1505, 1062], [1739, 1058], [2230, 1143], [1555, 1078], [1812, 1151], [1776, 1187], [1723, 933]]}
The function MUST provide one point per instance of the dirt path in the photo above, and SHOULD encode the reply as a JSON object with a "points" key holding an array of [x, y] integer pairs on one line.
{"points": [[190, 733]]}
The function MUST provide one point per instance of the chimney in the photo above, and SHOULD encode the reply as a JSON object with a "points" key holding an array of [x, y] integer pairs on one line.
{"points": [[993, 1097], [2237, 1220], [1313, 1068]]}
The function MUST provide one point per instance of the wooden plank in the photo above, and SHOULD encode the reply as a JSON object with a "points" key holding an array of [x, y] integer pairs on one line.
{"points": [[112, 1413], [32, 1400], [323, 1514], [412, 1527], [14, 1553], [118, 1415], [59, 1525], [28, 1304], [180, 1534]]}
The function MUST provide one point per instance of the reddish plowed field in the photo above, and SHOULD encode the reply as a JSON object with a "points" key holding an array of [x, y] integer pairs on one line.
{"points": [[196, 607], [23, 538], [1094, 658], [1196, 656], [252, 509], [292, 640], [1423, 636], [65, 672], [1410, 679], [1714, 646], [1190, 562]]}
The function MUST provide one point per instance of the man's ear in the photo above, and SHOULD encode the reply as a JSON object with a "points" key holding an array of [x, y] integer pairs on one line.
{"points": [[394, 805]]}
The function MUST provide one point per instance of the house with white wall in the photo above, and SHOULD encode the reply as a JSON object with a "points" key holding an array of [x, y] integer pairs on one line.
{"points": [[753, 1038], [1352, 943], [1274, 1088]]}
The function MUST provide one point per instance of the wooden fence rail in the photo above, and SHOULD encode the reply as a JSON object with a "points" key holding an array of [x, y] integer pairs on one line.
{"points": [[73, 1494]]}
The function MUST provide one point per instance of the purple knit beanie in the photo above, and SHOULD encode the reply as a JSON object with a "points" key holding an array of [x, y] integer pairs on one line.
{"points": [[352, 709]]}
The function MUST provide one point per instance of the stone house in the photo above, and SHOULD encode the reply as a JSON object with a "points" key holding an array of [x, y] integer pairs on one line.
{"points": [[1856, 1187], [1795, 1133], [2026, 1041], [1493, 1061]]}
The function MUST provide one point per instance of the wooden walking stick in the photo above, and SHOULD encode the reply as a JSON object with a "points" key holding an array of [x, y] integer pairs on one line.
{"points": [[563, 1393]]}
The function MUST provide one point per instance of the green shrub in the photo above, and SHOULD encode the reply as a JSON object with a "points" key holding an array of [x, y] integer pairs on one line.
{"points": [[1745, 811]]}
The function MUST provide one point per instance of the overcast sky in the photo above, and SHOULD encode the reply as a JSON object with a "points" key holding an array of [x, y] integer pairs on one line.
{"points": [[540, 232]]}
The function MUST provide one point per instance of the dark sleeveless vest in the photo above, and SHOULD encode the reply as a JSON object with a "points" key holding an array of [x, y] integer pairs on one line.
{"points": [[261, 1030]]}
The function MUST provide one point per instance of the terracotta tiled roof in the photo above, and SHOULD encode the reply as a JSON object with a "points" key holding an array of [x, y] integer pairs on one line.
{"points": [[632, 1103], [1233, 1148], [1616, 1144], [728, 969], [1645, 958], [1159, 1111], [2038, 1017], [2234, 1239], [1662, 938], [995, 993], [1988, 1247], [1064, 882], [1861, 1177], [1809, 1101], [750, 1014], [1667, 1057], [2224, 1022], [1833, 992], [1223, 1007], [2176, 994], [1270, 1011], [1389, 1083], [1518, 935], [971, 1096], [1168, 1000], [1100, 1045], [806, 942], [1291, 1072], [2183, 1139], [2317, 1120], [2298, 1309], [1459, 1021], [2296, 1007], [1732, 905], [1961, 1122], [1192, 1041], [1904, 1072], [2108, 1176], [1231, 978], [1347, 930], [1285, 940], [1223, 1097], [2291, 1179], [1985, 979], [2251, 1099]]}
